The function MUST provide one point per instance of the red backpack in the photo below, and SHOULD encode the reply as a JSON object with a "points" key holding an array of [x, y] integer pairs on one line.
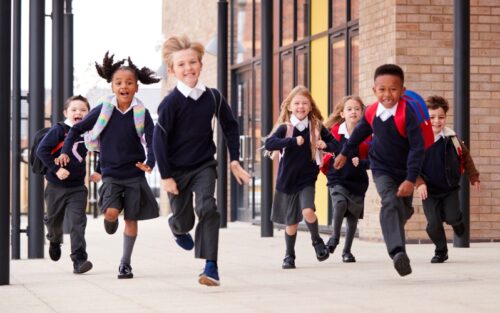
{"points": [[417, 104]]}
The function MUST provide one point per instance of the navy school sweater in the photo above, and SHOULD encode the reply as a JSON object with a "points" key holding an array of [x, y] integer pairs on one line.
{"points": [[354, 179], [441, 168], [296, 168], [183, 136], [76, 168], [120, 146], [390, 154]]}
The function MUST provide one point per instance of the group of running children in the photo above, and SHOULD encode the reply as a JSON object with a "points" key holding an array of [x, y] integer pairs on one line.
{"points": [[181, 144]]}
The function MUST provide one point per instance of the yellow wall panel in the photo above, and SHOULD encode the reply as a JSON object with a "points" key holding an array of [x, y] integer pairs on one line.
{"points": [[319, 91], [319, 16]]}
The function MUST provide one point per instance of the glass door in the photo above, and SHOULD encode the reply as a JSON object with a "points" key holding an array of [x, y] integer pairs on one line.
{"points": [[248, 112]]}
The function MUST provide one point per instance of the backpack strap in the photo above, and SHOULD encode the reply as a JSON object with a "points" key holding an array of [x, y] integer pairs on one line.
{"points": [[400, 117], [458, 149], [60, 144], [370, 112]]}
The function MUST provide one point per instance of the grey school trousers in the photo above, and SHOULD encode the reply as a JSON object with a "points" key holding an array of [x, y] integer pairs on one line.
{"points": [[394, 213], [60, 199], [200, 183], [439, 208]]}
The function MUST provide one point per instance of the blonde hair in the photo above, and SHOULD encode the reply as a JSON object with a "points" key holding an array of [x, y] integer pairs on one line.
{"points": [[178, 43], [314, 116], [335, 117]]}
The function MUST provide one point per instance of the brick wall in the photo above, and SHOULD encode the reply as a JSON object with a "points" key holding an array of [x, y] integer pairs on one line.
{"points": [[418, 35]]}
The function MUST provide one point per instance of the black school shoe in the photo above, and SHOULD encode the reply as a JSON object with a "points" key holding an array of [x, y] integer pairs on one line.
{"points": [[347, 257], [110, 227], [125, 271], [402, 263], [55, 251], [288, 262], [81, 266], [439, 258], [332, 244], [322, 252]]}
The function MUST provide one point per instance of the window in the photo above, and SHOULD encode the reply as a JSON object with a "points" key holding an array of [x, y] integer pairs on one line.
{"points": [[243, 30]]}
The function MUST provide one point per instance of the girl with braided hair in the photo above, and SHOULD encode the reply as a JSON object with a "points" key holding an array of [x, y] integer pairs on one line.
{"points": [[119, 127]]}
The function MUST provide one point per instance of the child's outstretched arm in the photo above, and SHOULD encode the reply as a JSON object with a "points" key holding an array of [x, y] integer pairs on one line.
{"points": [[242, 176], [359, 134], [470, 168], [278, 141], [75, 132]]}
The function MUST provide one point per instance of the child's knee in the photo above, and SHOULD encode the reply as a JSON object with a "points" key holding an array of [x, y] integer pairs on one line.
{"points": [[309, 215], [111, 213]]}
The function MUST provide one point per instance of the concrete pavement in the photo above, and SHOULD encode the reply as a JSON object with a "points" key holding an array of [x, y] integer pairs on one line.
{"points": [[251, 277]]}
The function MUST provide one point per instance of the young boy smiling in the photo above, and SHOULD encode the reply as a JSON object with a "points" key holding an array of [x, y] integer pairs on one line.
{"points": [[395, 160], [439, 183]]}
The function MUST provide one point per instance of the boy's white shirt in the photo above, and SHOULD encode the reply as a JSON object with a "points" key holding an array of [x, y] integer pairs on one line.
{"points": [[385, 113], [115, 103], [300, 125], [445, 132], [343, 130], [193, 93]]}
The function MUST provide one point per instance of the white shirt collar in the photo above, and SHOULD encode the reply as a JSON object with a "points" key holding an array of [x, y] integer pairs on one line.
{"points": [[385, 113], [438, 136], [68, 122], [300, 125], [343, 130], [115, 103], [193, 93]]}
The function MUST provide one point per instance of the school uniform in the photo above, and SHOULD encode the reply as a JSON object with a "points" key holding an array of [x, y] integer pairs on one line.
{"points": [[124, 184], [347, 187], [297, 171], [68, 195], [441, 172], [184, 149], [393, 159]]}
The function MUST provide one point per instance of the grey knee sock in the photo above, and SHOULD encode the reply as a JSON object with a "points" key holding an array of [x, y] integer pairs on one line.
{"points": [[128, 246], [313, 229], [290, 244]]}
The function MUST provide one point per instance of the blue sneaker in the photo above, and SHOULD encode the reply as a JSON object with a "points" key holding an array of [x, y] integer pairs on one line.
{"points": [[184, 241], [210, 275]]}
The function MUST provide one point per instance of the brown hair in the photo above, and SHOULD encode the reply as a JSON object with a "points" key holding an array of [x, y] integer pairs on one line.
{"points": [[74, 98], [178, 43], [335, 117], [315, 117], [436, 102]]}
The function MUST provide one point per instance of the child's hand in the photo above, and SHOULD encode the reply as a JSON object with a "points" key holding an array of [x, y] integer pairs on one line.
{"points": [[422, 191], [170, 186], [144, 167], [62, 173], [95, 177], [239, 173], [300, 140], [62, 160], [405, 189], [320, 144], [339, 161], [355, 161], [477, 186]]}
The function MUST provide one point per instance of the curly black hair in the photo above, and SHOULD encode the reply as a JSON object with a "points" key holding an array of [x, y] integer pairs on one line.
{"points": [[108, 69]]}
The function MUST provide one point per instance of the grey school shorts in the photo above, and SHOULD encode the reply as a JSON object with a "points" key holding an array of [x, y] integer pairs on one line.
{"points": [[132, 195], [287, 208]]}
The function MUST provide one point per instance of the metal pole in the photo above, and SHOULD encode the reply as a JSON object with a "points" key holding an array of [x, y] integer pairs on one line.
{"points": [[36, 121], [68, 52], [266, 226], [461, 95], [57, 57], [16, 133], [222, 86], [5, 46]]}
